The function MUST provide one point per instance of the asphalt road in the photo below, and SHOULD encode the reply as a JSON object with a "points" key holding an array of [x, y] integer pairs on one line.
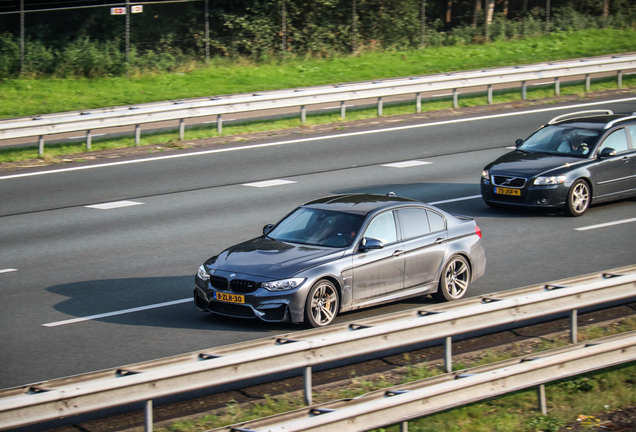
{"points": [[62, 259]]}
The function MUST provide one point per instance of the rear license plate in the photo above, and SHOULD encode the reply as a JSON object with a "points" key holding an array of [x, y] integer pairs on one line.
{"points": [[507, 191], [230, 298]]}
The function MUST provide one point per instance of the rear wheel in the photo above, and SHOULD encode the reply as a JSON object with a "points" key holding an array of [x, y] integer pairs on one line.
{"points": [[323, 303], [578, 198], [454, 281]]}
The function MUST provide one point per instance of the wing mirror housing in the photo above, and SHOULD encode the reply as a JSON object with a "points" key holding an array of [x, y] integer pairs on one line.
{"points": [[370, 243], [607, 152], [267, 229], [518, 142]]}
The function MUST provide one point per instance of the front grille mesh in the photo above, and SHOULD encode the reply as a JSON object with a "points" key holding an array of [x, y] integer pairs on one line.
{"points": [[232, 309], [237, 285]]}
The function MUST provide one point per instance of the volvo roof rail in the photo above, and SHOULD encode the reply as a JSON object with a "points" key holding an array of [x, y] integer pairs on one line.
{"points": [[580, 114], [613, 122]]}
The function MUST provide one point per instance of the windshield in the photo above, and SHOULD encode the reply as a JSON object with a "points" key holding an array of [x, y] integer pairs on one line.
{"points": [[317, 227], [561, 140]]}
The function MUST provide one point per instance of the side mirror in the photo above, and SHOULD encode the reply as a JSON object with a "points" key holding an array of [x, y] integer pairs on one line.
{"points": [[518, 142], [607, 152], [267, 228], [370, 243]]}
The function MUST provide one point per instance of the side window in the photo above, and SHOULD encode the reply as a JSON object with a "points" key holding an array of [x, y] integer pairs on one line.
{"points": [[632, 132], [616, 140], [414, 222], [382, 227], [437, 221]]}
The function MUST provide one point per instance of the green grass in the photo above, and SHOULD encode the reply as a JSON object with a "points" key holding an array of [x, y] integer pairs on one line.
{"points": [[26, 97], [157, 142]]}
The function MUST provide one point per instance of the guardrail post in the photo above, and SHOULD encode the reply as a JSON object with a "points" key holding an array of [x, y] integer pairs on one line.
{"points": [[455, 97], [219, 124], [307, 376], [524, 90], [619, 78], [148, 416], [343, 109], [89, 139], [587, 82], [41, 145], [418, 102], [181, 129], [448, 354], [557, 86], [380, 104], [303, 114], [543, 406], [404, 426], [489, 94], [137, 134], [574, 326]]}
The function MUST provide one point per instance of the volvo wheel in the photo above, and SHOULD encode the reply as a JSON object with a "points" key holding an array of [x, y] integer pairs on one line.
{"points": [[454, 280], [323, 304], [578, 198]]}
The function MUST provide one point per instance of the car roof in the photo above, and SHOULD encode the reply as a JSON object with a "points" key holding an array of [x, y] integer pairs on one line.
{"points": [[359, 203]]}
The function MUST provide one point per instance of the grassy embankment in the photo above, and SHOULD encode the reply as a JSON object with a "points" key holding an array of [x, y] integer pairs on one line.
{"points": [[24, 97], [583, 397]]}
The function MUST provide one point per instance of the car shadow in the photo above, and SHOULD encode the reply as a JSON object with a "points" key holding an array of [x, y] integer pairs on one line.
{"points": [[109, 300]]}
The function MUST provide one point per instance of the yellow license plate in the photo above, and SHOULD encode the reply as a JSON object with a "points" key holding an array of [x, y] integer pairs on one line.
{"points": [[230, 298], [507, 191]]}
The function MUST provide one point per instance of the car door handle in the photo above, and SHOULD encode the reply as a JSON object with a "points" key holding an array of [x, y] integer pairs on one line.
{"points": [[440, 240], [625, 159], [398, 252]]}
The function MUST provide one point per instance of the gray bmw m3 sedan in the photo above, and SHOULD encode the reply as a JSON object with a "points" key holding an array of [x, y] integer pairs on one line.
{"points": [[342, 253]]}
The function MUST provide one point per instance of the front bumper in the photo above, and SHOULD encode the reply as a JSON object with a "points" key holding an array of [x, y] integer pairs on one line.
{"points": [[549, 196], [261, 304]]}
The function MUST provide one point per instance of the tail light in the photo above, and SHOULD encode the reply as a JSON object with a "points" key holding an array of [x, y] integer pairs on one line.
{"points": [[478, 231]]}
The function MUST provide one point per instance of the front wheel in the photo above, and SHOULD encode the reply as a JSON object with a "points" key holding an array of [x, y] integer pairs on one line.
{"points": [[454, 281], [578, 198], [323, 303]]}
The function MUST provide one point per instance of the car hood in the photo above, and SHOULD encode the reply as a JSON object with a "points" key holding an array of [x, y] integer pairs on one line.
{"points": [[527, 165], [271, 258]]}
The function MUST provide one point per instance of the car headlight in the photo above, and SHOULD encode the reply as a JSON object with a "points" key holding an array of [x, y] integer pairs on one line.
{"points": [[549, 180], [202, 274], [485, 174], [283, 285]]}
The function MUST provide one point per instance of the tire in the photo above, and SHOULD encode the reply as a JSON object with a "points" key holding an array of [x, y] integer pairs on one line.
{"points": [[454, 281], [322, 305], [578, 199]]}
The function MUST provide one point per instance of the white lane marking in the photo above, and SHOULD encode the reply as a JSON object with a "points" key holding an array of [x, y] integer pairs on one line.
{"points": [[603, 225], [84, 136], [307, 140], [406, 164], [8, 270], [456, 199], [115, 204], [268, 183], [120, 312]]}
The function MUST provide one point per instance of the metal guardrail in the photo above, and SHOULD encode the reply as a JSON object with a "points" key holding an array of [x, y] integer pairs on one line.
{"points": [[218, 106], [406, 402], [234, 363]]}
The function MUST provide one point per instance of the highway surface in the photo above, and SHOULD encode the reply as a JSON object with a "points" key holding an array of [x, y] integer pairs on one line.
{"points": [[97, 261]]}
